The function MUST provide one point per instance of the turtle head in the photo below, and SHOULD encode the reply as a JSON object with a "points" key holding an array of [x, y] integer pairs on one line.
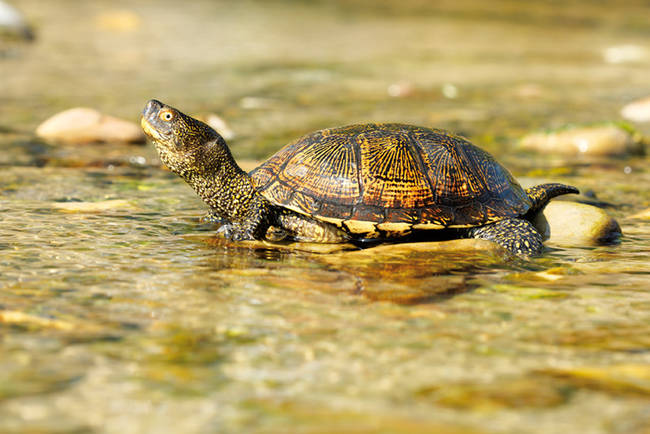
{"points": [[185, 145]]}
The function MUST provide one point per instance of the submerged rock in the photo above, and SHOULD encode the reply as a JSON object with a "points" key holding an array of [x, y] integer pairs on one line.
{"points": [[575, 224], [92, 207], [346, 252], [637, 111], [597, 140], [450, 246], [12, 23], [86, 125], [418, 259]]}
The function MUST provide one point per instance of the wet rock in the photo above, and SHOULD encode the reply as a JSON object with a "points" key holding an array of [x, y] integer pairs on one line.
{"points": [[574, 224], [450, 246], [86, 125], [342, 253], [599, 140], [642, 215], [12, 23], [408, 263], [92, 207], [217, 123], [637, 111]]}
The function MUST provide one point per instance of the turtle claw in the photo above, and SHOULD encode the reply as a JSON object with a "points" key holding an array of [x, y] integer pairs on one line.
{"points": [[233, 232], [225, 231], [240, 236]]}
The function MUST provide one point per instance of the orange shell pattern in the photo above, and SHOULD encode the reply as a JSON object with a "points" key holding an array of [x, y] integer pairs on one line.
{"points": [[391, 173]]}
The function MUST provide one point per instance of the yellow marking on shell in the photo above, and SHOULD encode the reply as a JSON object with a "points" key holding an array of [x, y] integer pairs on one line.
{"points": [[334, 221], [391, 175], [428, 226], [359, 227], [395, 227]]}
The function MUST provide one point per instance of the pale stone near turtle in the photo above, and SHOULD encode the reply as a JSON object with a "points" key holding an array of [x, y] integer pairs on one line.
{"points": [[86, 125], [637, 111], [440, 247], [603, 140], [574, 224]]}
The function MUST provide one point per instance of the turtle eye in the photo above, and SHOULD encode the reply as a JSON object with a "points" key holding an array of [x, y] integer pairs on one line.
{"points": [[166, 116]]}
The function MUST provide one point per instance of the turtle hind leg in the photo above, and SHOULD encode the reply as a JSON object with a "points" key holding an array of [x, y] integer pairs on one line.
{"points": [[518, 236], [251, 226]]}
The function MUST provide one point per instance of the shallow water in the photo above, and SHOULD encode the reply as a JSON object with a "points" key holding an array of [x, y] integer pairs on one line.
{"points": [[119, 312]]}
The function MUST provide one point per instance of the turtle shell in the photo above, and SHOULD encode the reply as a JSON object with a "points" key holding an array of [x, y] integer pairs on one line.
{"points": [[390, 178]]}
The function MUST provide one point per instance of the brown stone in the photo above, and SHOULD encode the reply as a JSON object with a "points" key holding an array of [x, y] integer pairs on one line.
{"points": [[85, 125]]}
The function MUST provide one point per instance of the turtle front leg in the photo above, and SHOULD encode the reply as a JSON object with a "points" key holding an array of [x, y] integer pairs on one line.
{"points": [[518, 236], [253, 225], [239, 232]]}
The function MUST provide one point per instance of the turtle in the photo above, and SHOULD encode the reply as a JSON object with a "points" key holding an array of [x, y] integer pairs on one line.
{"points": [[357, 183]]}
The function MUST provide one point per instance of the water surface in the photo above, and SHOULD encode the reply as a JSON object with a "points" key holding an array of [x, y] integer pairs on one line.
{"points": [[129, 317]]}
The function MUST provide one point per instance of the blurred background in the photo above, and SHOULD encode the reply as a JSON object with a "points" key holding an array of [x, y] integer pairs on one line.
{"points": [[276, 69], [120, 313]]}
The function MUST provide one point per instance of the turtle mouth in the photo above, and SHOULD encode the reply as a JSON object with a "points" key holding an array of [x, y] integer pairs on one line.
{"points": [[150, 130]]}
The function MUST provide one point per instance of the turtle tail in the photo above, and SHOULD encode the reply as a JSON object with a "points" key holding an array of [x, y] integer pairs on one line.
{"points": [[541, 194]]}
